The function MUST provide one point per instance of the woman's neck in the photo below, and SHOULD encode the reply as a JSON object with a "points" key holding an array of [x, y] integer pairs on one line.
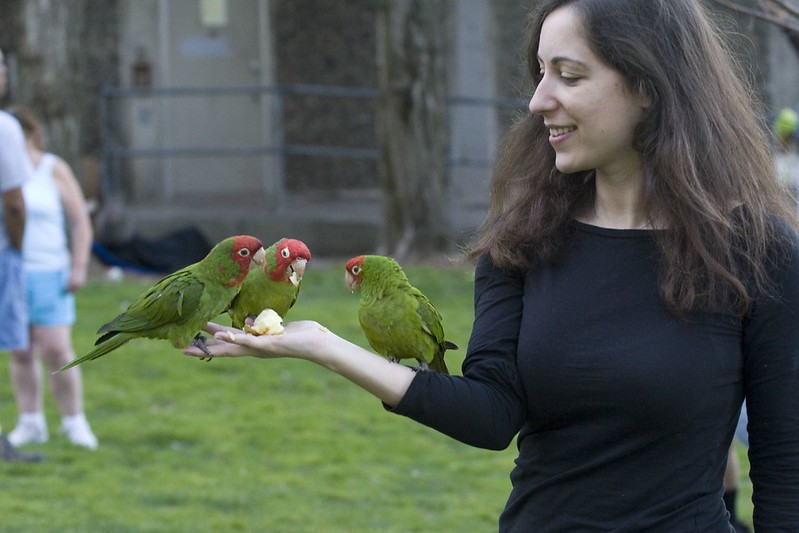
{"points": [[616, 205], [35, 154]]}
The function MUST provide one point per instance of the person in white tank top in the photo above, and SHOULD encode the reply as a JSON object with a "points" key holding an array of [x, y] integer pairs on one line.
{"points": [[45, 244], [56, 249]]}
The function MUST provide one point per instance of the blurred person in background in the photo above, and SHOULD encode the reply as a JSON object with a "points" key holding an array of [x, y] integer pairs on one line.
{"points": [[732, 482], [14, 172], [786, 154], [56, 252]]}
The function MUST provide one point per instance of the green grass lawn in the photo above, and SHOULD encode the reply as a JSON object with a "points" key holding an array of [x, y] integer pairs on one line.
{"points": [[253, 445]]}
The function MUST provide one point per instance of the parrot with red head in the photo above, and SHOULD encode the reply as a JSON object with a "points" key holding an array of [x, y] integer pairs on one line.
{"points": [[398, 320], [178, 306], [275, 286]]}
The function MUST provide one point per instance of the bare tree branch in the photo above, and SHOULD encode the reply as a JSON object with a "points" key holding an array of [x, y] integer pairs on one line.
{"points": [[787, 7], [781, 9], [787, 25]]}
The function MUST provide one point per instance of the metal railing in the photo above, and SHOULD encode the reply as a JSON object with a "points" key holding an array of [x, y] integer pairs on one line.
{"points": [[115, 153]]}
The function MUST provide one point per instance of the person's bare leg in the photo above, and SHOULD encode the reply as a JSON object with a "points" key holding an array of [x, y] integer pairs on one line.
{"points": [[56, 351], [26, 382], [67, 386]]}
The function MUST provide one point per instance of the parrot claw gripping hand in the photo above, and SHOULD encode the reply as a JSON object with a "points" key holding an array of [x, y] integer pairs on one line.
{"points": [[199, 342], [276, 286], [180, 304], [398, 320]]}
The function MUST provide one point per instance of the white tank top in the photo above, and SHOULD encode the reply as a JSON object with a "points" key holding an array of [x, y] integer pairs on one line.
{"points": [[45, 244]]}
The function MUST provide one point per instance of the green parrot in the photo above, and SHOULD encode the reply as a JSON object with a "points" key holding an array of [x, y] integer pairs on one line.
{"points": [[275, 286], [179, 305], [397, 319]]}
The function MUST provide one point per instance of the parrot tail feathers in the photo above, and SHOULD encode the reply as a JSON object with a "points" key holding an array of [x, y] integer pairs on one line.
{"points": [[106, 343], [438, 363]]}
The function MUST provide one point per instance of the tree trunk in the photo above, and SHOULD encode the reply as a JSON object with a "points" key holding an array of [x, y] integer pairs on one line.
{"points": [[64, 52], [412, 125], [789, 19], [783, 13]]}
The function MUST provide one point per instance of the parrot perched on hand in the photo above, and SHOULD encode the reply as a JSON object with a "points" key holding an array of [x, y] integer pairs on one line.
{"points": [[275, 286], [178, 306], [397, 319]]}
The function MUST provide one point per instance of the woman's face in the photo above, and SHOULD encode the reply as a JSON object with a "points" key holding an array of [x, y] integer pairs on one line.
{"points": [[590, 113]]}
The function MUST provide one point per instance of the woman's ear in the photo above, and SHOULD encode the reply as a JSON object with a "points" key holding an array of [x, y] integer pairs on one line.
{"points": [[644, 99], [642, 96]]}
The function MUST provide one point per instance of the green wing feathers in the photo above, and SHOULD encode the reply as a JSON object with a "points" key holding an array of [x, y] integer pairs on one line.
{"points": [[169, 301], [165, 311], [431, 325]]}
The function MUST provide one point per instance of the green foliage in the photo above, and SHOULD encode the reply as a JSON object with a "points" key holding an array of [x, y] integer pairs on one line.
{"points": [[251, 445]]}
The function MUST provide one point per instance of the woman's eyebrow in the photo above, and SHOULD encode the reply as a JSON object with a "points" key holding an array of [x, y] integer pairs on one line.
{"points": [[559, 61]]}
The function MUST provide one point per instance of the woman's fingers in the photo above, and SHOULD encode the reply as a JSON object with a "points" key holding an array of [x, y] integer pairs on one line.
{"points": [[213, 327], [232, 342]]}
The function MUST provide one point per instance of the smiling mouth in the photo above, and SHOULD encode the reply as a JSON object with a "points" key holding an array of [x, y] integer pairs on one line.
{"points": [[557, 132]]}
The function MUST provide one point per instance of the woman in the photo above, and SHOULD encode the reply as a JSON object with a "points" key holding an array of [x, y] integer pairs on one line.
{"points": [[55, 267], [638, 276]]}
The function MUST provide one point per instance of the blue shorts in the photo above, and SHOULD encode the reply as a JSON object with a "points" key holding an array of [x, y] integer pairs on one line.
{"points": [[14, 333], [49, 303]]}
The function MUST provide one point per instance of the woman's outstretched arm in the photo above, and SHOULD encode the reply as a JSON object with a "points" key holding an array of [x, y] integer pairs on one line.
{"points": [[313, 342]]}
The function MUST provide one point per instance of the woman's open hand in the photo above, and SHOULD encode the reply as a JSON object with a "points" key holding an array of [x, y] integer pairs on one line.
{"points": [[299, 339]]}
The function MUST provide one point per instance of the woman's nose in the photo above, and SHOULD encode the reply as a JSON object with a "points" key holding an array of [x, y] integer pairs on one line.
{"points": [[541, 100]]}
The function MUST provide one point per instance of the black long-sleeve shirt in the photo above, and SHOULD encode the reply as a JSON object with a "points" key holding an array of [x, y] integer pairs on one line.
{"points": [[624, 412]]}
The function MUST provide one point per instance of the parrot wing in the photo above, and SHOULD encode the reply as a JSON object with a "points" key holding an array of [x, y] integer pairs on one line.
{"points": [[171, 301], [431, 325], [156, 314], [429, 315]]}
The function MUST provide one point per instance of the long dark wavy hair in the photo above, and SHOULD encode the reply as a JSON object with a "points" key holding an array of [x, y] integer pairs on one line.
{"points": [[709, 176]]}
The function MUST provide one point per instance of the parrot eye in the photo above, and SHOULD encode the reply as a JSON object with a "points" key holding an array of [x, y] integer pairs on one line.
{"points": [[244, 252], [285, 253], [356, 270]]}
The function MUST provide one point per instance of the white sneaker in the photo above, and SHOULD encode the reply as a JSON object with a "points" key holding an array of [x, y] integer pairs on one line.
{"points": [[28, 432], [77, 430]]}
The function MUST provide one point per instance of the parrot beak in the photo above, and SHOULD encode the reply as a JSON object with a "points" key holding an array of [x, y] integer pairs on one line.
{"points": [[350, 281], [297, 268], [258, 259]]}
